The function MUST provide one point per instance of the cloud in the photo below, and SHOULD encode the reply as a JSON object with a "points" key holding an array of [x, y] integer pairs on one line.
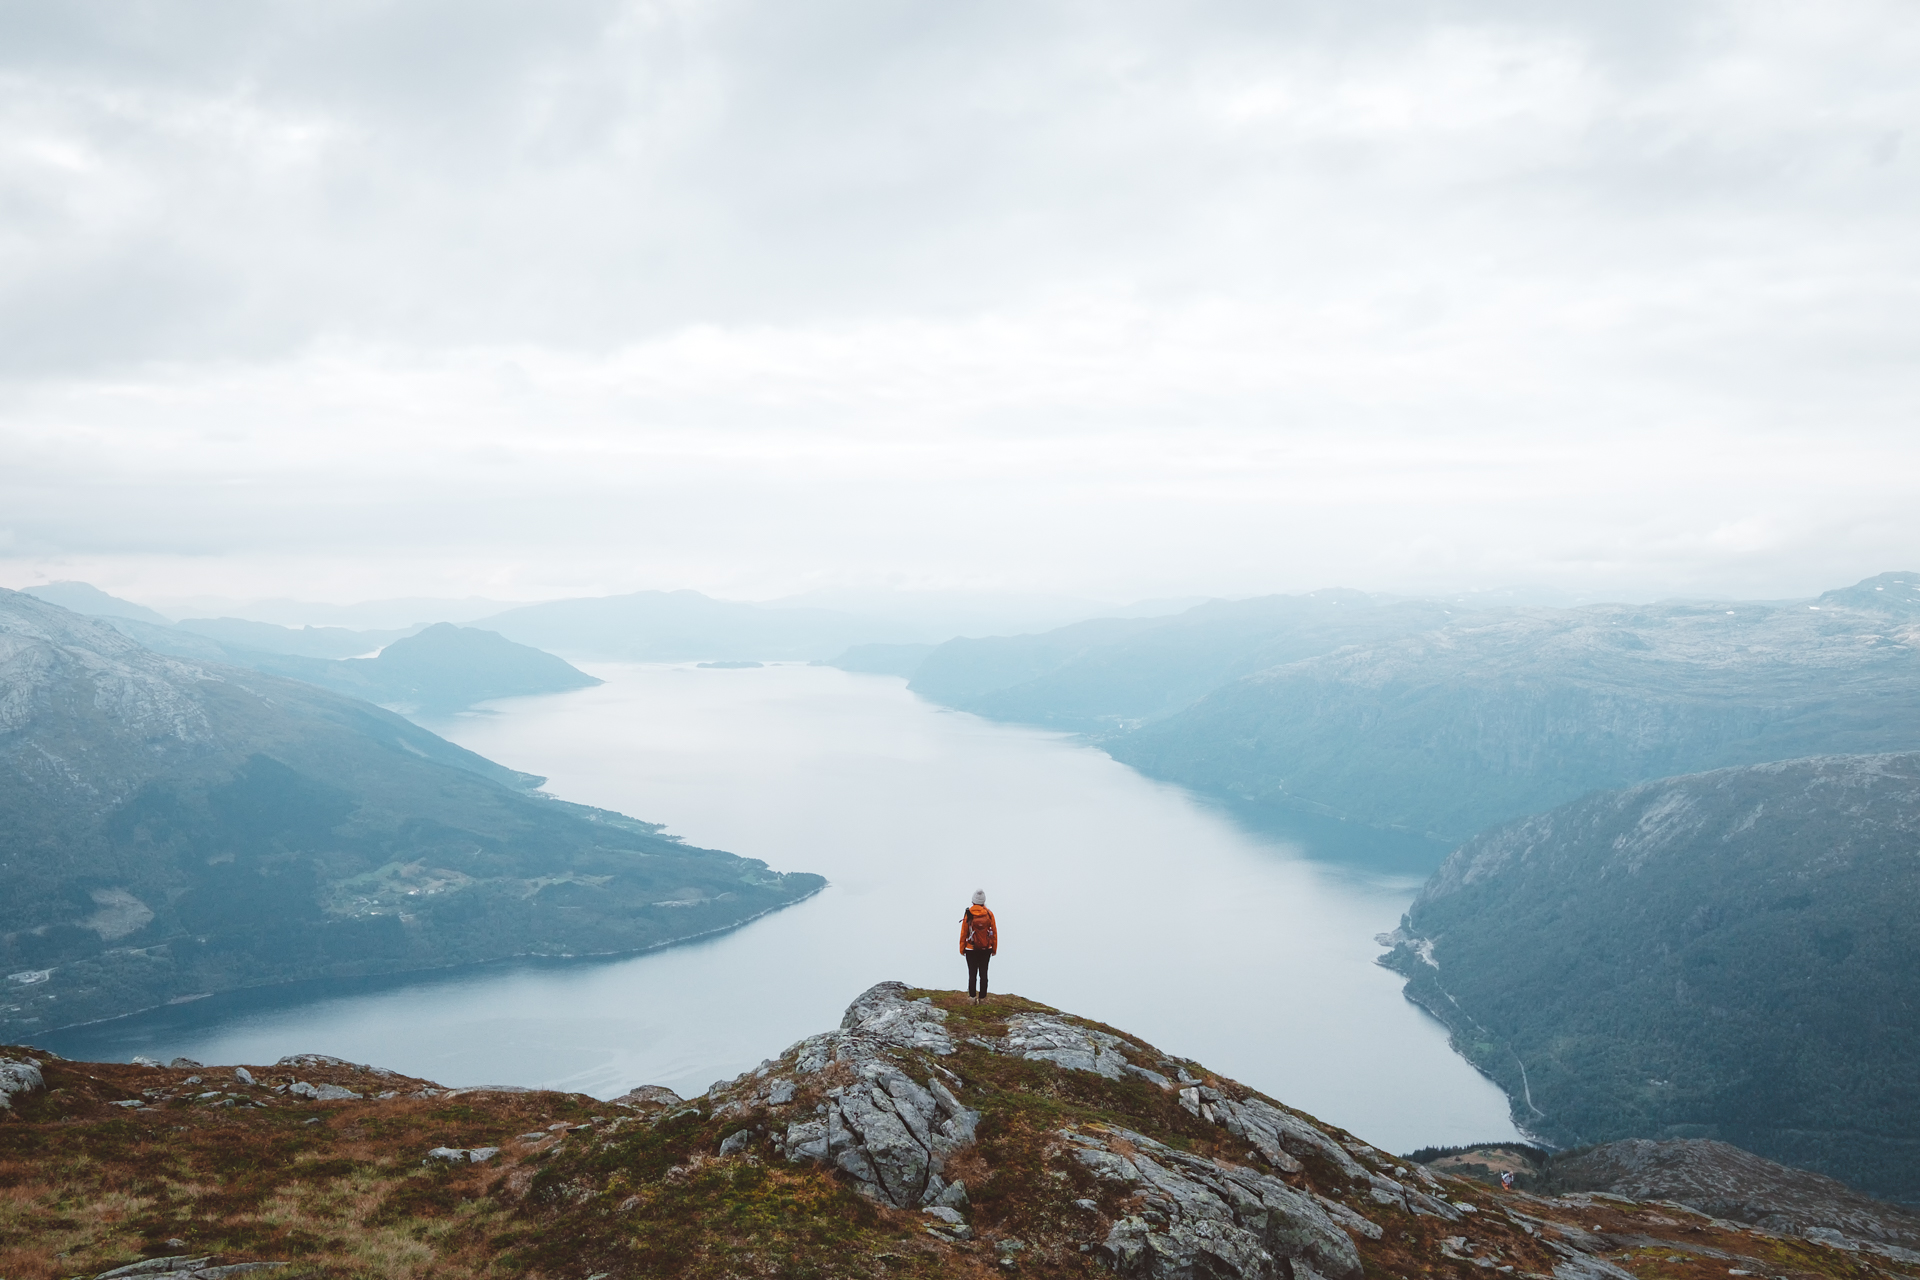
{"points": [[1049, 296]]}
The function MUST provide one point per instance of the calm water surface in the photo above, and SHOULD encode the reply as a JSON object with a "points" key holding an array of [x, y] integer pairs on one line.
{"points": [[1118, 898]]}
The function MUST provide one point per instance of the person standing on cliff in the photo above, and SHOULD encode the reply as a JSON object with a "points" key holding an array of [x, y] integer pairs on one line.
{"points": [[979, 943]]}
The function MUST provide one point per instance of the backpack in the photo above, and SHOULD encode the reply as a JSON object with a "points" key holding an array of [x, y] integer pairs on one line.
{"points": [[981, 935]]}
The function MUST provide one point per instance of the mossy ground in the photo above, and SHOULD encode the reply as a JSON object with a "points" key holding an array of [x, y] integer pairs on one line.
{"points": [[630, 1192]]}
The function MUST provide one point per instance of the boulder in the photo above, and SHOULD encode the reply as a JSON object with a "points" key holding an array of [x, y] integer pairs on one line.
{"points": [[321, 1092], [461, 1155], [19, 1076]]}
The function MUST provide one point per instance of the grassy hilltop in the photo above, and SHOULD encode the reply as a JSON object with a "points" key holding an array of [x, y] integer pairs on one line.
{"points": [[1069, 1170]]}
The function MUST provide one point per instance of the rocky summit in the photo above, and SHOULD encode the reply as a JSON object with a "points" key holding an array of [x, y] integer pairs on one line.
{"points": [[924, 1136]]}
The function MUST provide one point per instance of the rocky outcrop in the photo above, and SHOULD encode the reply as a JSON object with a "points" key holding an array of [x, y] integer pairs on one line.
{"points": [[461, 1155], [18, 1076], [885, 1113], [321, 1092], [317, 1060], [1727, 1182], [1042, 1037], [1196, 1217], [185, 1268], [888, 1132]]}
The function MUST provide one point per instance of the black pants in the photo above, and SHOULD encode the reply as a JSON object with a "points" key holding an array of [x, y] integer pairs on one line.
{"points": [[977, 959]]}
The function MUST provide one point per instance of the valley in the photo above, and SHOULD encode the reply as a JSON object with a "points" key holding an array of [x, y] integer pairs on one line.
{"points": [[905, 810]]}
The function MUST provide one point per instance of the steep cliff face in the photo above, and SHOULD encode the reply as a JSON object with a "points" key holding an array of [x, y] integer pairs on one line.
{"points": [[1724, 955], [924, 1136], [171, 827], [1476, 723]]}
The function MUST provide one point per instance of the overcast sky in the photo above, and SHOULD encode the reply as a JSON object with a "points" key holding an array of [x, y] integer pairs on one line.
{"points": [[357, 299]]}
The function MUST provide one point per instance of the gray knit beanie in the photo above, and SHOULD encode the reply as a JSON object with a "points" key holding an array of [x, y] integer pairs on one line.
{"points": [[979, 897]]}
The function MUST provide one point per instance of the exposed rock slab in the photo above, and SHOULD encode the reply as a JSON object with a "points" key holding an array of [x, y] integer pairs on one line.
{"points": [[1197, 1217], [1045, 1038], [888, 1132]]}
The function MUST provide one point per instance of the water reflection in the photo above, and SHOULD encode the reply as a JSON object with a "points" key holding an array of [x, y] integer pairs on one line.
{"points": [[1118, 898]]}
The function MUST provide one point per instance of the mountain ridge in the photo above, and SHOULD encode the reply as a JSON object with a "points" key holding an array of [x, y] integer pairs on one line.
{"points": [[925, 1134]]}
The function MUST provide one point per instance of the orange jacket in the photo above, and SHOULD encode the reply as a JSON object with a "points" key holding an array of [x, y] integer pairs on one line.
{"points": [[977, 925]]}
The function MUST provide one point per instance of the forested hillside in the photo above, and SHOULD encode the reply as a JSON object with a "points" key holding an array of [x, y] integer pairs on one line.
{"points": [[1727, 955]]}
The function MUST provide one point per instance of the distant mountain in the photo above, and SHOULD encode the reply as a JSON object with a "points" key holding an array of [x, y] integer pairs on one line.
{"points": [[440, 669], [83, 597], [445, 667], [1895, 594], [933, 616], [302, 642], [1500, 714], [170, 827], [1114, 673], [685, 626], [1725, 955], [405, 613], [882, 659]]}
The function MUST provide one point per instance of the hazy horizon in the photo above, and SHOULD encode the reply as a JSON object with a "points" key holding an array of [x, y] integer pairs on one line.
{"points": [[1112, 303], [1033, 612]]}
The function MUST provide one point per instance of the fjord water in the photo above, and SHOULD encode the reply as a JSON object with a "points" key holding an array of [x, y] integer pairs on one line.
{"points": [[1119, 898]]}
